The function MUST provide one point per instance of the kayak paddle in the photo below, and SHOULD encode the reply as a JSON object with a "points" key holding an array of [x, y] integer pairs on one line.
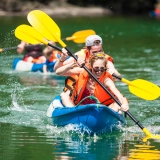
{"points": [[141, 88], [77, 37], [80, 36], [45, 25], [7, 49], [30, 35]]}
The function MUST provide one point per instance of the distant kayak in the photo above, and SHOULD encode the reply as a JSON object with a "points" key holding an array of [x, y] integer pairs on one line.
{"points": [[155, 14], [19, 65], [95, 118]]}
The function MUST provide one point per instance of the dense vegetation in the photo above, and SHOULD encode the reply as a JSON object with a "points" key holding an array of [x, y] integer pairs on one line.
{"points": [[117, 6]]}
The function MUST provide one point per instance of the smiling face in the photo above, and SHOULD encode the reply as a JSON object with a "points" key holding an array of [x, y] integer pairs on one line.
{"points": [[98, 65]]}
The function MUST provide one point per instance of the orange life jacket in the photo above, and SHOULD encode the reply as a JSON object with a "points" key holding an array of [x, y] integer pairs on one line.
{"points": [[86, 55], [99, 92], [71, 81]]}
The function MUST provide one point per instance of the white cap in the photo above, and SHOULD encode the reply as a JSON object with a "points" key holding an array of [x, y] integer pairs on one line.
{"points": [[90, 40]]}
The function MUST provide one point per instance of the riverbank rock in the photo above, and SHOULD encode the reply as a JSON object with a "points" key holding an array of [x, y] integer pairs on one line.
{"points": [[77, 11], [53, 9]]}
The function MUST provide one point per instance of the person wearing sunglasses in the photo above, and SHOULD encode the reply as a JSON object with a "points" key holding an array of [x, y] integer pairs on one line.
{"points": [[86, 86]]}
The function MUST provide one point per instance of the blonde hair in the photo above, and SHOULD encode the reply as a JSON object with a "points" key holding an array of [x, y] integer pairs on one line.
{"points": [[98, 55]]}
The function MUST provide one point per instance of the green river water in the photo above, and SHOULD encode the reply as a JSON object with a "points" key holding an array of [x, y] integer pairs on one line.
{"points": [[26, 132]]}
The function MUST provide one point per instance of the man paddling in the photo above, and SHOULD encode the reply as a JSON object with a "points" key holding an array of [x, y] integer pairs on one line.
{"points": [[93, 45]]}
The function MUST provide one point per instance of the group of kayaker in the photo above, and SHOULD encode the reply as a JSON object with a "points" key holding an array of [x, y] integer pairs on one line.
{"points": [[36, 54], [80, 84]]}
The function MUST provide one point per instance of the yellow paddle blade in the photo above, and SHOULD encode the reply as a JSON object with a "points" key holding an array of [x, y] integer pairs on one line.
{"points": [[149, 135], [29, 34], [44, 24], [80, 36], [143, 89]]}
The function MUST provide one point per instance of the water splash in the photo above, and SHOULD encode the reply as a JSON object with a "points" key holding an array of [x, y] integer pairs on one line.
{"points": [[17, 99]]}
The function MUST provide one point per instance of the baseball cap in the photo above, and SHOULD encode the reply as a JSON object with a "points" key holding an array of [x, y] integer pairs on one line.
{"points": [[91, 39]]}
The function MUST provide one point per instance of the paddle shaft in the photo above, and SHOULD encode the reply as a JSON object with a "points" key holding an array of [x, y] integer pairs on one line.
{"points": [[90, 73], [114, 75], [7, 49], [68, 38], [55, 47]]}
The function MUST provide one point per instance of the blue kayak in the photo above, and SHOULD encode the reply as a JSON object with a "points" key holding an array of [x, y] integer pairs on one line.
{"points": [[95, 118], [19, 65]]}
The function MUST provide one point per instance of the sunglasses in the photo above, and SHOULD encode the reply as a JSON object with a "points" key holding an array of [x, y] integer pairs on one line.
{"points": [[97, 69]]}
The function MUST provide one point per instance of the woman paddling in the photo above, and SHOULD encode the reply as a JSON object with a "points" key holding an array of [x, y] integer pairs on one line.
{"points": [[85, 85]]}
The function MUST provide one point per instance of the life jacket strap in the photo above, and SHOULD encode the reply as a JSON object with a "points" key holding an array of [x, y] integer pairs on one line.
{"points": [[69, 87]]}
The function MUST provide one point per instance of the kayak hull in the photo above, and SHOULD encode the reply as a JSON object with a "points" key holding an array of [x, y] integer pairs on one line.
{"points": [[19, 65], [94, 118]]}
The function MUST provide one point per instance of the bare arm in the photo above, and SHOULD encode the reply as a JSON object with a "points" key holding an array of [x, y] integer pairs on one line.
{"points": [[69, 70], [21, 46], [111, 68], [109, 83], [62, 60], [66, 99], [58, 64], [70, 60]]}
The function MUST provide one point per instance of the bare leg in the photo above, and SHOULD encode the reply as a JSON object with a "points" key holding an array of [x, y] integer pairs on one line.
{"points": [[29, 59], [44, 68], [114, 106], [66, 100]]}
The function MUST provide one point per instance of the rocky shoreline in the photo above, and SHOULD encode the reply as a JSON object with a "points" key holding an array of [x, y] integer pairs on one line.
{"points": [[68, 11]]}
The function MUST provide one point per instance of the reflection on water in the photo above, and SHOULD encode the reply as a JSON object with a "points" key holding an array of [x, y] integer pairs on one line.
{"points": [[33, 143], [23, 143], [147, 152], [54, 143], [34, 79]]}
